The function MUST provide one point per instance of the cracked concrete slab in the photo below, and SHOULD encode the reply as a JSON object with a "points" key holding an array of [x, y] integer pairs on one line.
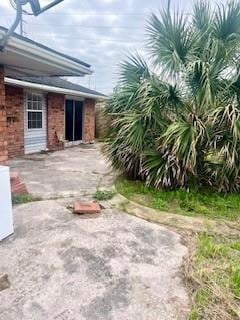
{"points": [[67, 267], [112, 267], [71, 172]]}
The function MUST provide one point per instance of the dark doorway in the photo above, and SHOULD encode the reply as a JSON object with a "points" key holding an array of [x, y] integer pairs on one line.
{"points": [[78, 120], [69, 120], [73, 120]]}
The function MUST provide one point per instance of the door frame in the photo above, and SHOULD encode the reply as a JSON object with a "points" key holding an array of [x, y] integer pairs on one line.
{"points": [[72, 143]]}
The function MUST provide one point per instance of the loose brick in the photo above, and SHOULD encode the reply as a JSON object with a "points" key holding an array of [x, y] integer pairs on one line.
{"points": [[87, 208]]}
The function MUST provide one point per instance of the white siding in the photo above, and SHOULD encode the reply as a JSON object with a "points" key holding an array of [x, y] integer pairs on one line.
{"points": [[35, 140]]}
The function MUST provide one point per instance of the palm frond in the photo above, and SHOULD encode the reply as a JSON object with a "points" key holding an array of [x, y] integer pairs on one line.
{"points": [[124, 98], [162, 171], [204, 75], [171, 40], [133, 70], [159, 98], [227, 22], [202, 18], [182, 140]]}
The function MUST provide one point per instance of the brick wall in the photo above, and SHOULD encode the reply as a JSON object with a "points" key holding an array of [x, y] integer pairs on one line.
{"points": [[102, 121], [55, 104], [89, 120], [3, 122], [15, 121], [12, 120]]}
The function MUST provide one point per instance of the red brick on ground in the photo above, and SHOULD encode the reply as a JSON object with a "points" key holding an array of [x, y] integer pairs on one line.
{"points": [[17, 186], [14, 179], [13, 175], [87, 208]]}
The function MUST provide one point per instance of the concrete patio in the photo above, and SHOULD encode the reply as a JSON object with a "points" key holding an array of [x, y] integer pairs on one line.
{"points": [[72, 172], [68, 267]]}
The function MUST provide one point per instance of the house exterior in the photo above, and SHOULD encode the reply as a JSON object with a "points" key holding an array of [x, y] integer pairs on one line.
{"points": [[38, 109]]}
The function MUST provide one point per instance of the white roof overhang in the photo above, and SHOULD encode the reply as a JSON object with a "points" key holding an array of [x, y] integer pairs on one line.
{"points": [[46, 88], [22, 57]]}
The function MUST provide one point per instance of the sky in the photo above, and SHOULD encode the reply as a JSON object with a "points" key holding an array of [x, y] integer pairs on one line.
{"points": [[99, 32]]}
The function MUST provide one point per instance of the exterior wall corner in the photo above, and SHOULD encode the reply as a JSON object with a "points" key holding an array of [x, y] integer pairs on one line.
{"points": [[55, 121], [89, 120], [3, 121], [15, 120]]}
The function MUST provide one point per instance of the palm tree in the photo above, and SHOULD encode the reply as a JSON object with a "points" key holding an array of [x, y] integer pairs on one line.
{"points": [[177, 124]]}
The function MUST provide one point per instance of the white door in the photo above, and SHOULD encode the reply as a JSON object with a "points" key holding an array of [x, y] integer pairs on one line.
{"points": [[6, 219], [35, 122]]}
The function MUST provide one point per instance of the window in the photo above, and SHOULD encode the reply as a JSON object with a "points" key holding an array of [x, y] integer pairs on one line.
{"points": [[34, 120], [34, 103]]}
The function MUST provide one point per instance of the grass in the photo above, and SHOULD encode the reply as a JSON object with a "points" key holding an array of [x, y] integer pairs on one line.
{"points": [[104, 195], [213, 272], [190, 203], [24, 199], [215, 277]]}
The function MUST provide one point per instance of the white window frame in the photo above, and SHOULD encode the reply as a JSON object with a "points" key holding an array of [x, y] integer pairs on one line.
{"points": [[27, 93]]}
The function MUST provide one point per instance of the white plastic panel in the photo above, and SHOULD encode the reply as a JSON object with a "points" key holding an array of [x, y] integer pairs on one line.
{"points": [[35, 140], [6, 217]]}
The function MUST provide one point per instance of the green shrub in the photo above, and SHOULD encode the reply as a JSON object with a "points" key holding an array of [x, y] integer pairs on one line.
{"points": [[184, 132], [24, 199], [104, 195]]}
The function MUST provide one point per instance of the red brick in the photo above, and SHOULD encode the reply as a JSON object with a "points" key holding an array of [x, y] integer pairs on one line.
{"points": [[55, 120], [15, 127], [19, 189], [12, 131], [89, 120], [4, 160], [3, 121], [86, 208], [14, 176]]}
